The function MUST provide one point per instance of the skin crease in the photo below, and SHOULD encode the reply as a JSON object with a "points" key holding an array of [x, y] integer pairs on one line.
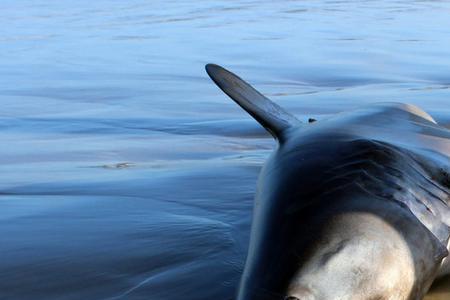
{"points": [[360, 246], [352, 207]]}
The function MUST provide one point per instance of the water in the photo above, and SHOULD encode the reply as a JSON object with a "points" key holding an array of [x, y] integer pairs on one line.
{"points": [[126, 174]]}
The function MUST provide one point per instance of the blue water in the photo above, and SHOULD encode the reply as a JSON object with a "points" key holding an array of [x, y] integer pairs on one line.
{"points": [[126, 174]]}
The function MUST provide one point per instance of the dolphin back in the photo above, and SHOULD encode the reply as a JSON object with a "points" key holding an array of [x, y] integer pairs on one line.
{"points": [[271, 116]]}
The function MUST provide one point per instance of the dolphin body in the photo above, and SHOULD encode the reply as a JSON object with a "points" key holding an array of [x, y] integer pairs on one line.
{"points": [[355, 206]]}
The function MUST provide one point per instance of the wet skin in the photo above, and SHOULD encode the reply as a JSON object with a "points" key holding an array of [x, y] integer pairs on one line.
{"points": [[336, 212], [350, 207]]}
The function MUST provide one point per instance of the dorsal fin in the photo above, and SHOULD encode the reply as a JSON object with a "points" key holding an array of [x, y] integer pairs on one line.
{"points": [[266, 112]]}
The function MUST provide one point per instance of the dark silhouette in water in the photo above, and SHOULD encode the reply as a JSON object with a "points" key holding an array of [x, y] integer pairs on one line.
{"points": [[350, 207]]}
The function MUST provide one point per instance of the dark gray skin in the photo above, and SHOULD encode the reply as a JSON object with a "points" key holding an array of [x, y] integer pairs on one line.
{"points": [[355, 206]]}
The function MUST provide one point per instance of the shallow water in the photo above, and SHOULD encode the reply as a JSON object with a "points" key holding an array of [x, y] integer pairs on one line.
{"points": [[126, 174]]}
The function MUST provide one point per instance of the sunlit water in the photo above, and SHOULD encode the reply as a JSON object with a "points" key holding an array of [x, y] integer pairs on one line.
{"points": [[126, 174]]}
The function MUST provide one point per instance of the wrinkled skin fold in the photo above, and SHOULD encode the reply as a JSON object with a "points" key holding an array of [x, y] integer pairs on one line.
{"points": [[355, 206]]}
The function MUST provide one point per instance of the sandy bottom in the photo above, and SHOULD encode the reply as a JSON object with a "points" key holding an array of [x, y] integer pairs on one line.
{"points": [[440, 290]]}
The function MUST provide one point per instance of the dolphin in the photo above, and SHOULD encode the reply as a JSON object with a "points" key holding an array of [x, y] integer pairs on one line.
{"points": [[354, 206]]}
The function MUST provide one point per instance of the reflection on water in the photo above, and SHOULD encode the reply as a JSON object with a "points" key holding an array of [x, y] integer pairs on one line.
{"points": [[126, 174]]}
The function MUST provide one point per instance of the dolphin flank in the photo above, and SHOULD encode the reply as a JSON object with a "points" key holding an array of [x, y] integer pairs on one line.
{"points": [[355, 206]]}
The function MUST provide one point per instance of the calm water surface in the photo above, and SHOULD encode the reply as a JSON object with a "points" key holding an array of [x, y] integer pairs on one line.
{"points": [[126, 174]]}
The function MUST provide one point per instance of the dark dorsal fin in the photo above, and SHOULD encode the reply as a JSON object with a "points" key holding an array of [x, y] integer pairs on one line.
{"points": [[266, 112]]}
